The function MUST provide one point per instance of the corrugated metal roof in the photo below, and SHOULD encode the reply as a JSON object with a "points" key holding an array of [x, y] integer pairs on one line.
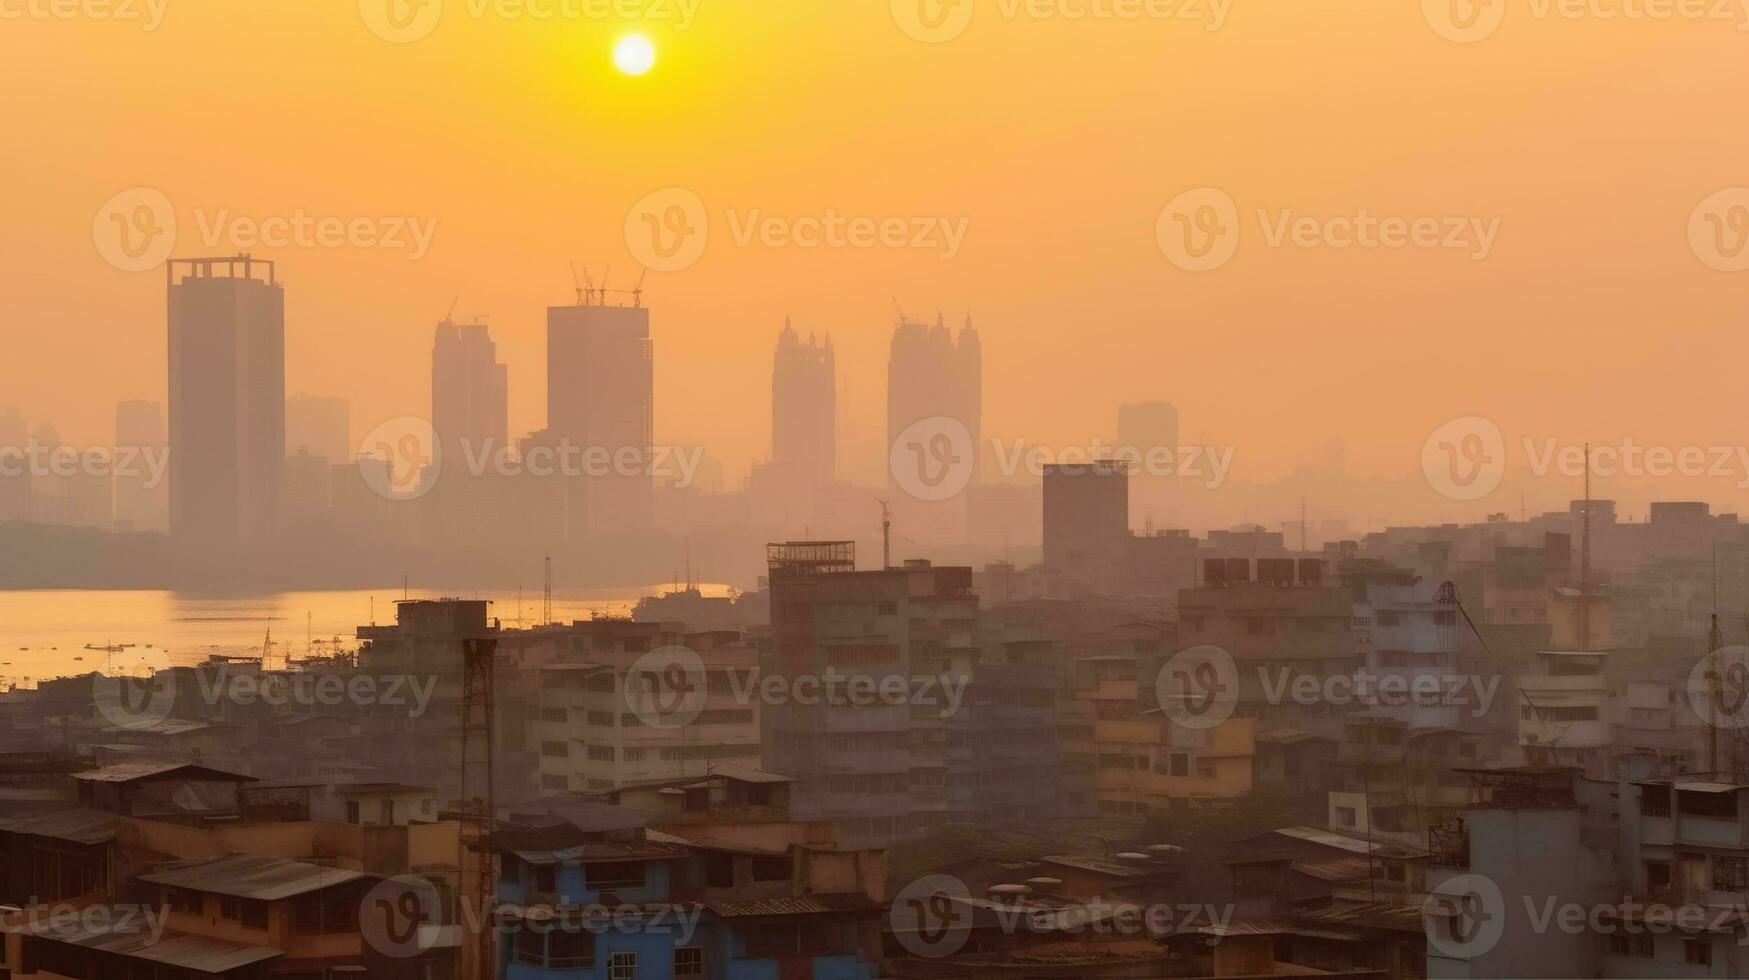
{"points": [[1289, 736], [127, 772], [1095, 865], [1335, 869], [746, 774], [199, 953], [806, 905], [1272, 927], [247, 876], [78, 825], [1329, 838], [162, 726]]}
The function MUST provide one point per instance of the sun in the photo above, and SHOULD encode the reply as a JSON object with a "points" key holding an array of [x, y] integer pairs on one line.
{"points": [[634, 54]]}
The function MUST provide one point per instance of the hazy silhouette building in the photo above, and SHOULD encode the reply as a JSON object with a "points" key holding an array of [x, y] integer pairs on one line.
{"points": [[470, 394], [601, 403], [142, 500], [1086, 527], [804, 438], [804, 405], [470, 416], [935, 379], [227, 400], [320, 427], [1145, 428]]}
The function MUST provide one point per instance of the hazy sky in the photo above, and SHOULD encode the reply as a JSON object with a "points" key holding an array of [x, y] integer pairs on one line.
{"points": [[1585, 143]]}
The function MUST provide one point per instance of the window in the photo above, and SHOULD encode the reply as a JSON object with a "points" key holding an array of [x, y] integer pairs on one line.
{"points": [[546, 879], [570, 949], [557, 750], [1697, 952], [1731, 874], [622, 966], [771, 868], [1657, 875], [689, 961], [1622, 944], [1345, 816], [352, 811], [1180, 764], [615, 874]]}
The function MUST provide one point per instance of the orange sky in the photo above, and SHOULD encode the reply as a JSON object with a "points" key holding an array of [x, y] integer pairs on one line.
{"points": [[1057, 141]]}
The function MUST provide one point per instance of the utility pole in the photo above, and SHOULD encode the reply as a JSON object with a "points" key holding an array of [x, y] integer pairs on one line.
{"points": [[546, 612], [1585, 561], [886, 536]]}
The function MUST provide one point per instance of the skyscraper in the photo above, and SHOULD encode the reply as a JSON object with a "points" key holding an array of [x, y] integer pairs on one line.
{"points": [[141, 497], [935, 381], [600, 402], [470, 394], [227, 400], [804, 406], [1146, 428]]}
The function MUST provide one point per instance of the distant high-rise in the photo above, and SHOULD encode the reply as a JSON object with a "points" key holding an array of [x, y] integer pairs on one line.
{"points": [[227, 400], [1086, 525], [141, 497], [804, 405], [470, 394], [600, 401], [319, 427], [1144, 430], [931, 376]]}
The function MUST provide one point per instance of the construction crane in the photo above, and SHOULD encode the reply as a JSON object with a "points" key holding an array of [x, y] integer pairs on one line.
{"points": [[585, 286]]}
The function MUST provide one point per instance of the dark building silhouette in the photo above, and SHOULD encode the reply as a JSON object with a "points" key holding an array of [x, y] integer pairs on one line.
{"points": [[804, 407], [931, 375], [470, 393], [227, 400], [600, 399], [1086, 532]]}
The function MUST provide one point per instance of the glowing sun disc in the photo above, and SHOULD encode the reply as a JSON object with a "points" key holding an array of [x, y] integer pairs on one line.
{"points": [[634, 54]]}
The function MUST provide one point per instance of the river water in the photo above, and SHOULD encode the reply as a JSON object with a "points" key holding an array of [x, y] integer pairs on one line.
{"points": [[45, 633]]}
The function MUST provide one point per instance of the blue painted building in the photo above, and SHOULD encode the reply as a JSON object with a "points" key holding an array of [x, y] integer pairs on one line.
{"points": [[634, 904]]}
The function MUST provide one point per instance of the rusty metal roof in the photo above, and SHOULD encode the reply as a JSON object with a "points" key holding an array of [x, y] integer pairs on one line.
{"points": [[129, 772], [201, 954], [806, 905], [79, 825], [246, 876]]}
